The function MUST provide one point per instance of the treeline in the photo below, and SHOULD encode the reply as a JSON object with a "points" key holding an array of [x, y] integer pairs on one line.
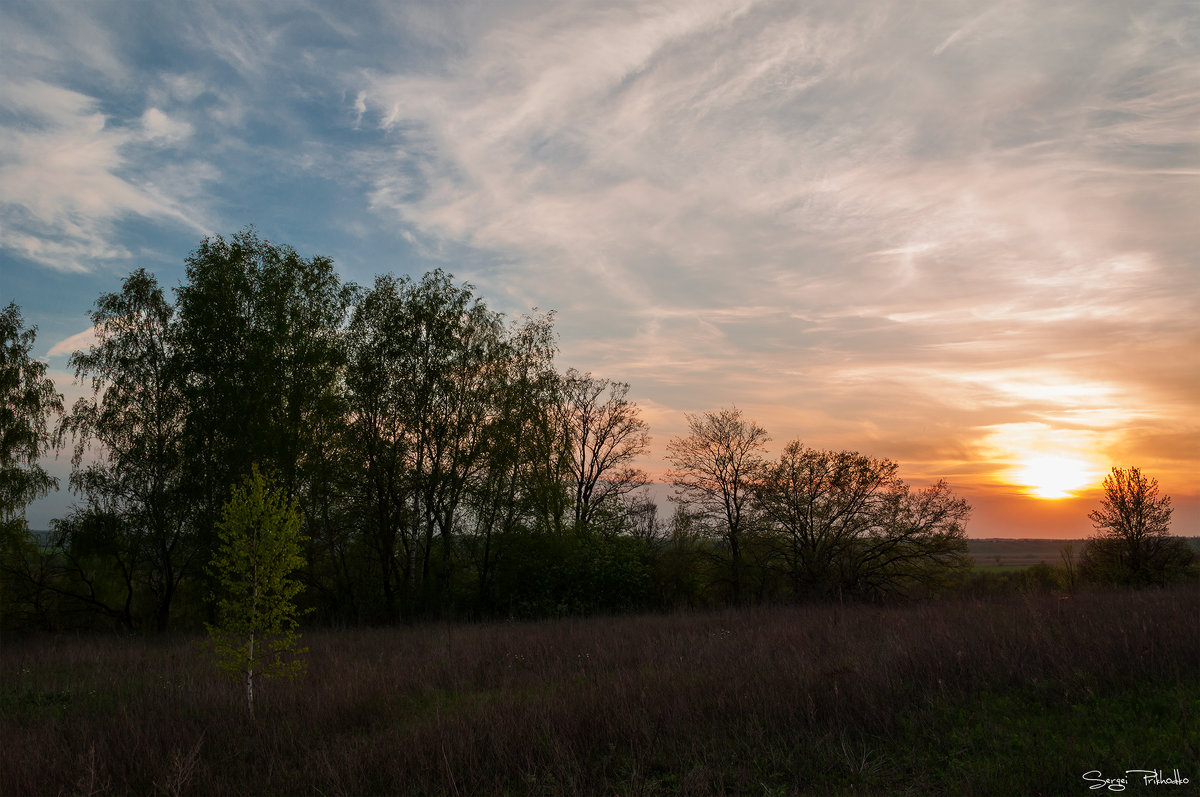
{"points": [[443, 464]]}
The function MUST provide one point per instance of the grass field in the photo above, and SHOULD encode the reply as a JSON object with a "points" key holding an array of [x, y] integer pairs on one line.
{"points": [[1012, 695], [1000, 554], [1006, 554]]}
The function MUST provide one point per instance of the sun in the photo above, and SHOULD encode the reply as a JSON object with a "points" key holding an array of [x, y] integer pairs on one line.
{"points": [[1045, 462], [1054, 477]]}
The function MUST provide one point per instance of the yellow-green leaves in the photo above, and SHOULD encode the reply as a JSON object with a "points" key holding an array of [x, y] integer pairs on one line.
{"points": [[259, 551]]}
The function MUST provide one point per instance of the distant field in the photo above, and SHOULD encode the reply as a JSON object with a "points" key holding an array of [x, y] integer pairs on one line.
{"points": [[1010, 554], [1001, 554]]}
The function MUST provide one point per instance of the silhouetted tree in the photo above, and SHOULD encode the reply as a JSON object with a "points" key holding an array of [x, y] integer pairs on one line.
{"points": [[522, 489], [641, 512], [27, 402], [679, 575], [714, 470], [128, 459], [821, 502], [1070, 566], [261, 348], [606, 434], [920, 542], [380, 438], [1134, 543], [845, 523], [454, 370]]}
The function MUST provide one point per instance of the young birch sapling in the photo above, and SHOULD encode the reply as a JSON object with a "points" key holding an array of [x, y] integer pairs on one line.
{"points": [[259, 550]]}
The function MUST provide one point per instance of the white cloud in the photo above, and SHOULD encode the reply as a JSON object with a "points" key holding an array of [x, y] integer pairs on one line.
{"points": [[859, 220], [158, 127], [77, 42], [64, 176], [749, 191], [80, 340]]}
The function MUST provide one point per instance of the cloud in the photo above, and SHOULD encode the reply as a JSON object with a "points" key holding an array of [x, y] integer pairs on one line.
{"points": [[158, 127], [891, 227], [170, 122], [80, 340], [52, 39], [789, 200], [64, 182], [99, 115], [706, 135]]}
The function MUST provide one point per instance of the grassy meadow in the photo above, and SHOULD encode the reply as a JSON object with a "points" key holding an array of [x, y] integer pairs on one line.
{"points": [[1016, 694]]}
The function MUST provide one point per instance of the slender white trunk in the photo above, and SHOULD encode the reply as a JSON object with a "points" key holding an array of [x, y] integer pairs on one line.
{"points": [[250, 676]]}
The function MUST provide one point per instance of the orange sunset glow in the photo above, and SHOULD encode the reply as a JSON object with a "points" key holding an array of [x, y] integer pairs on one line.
{"points": [[1053, 478], [600, 397], [960, 235]]}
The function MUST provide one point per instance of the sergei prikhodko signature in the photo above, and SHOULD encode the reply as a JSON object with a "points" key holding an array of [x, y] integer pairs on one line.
{"points": [[1147, 777]]}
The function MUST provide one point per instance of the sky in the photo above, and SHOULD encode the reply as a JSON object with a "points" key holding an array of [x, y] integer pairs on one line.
{"points": [[962, 235]]}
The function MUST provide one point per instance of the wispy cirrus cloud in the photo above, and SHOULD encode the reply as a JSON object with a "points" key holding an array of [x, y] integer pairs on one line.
{"points": [[916, 230], [109, 120], [78, 341], [71, 165], [778, 198], [63, 176]]}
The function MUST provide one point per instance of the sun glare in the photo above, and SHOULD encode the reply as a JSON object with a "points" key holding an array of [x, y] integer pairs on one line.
{"points": [[1044, 462], [1053, 478]]}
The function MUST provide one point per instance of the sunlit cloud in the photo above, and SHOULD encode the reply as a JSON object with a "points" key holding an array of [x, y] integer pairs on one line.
{"points": [[1054, 477], [79, 341], [1044, 461], [962, 235], [802, 205]]}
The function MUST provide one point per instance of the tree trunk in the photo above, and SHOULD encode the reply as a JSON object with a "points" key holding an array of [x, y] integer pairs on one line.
{"points": [[250, 677]]}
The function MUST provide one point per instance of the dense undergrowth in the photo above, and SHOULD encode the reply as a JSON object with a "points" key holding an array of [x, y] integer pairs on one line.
{"points": [[994, 695]]}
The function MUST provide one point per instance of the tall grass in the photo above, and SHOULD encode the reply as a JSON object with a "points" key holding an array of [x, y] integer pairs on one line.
{"points": [[1003, 695]]}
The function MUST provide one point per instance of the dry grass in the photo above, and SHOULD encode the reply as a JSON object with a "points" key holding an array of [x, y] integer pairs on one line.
{"points": [[807, 699]]}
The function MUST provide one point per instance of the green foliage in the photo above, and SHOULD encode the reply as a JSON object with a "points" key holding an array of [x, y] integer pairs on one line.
{"points": [[129, 447], [261, 349], [259, 553], [27, 402], [543, 575]]}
